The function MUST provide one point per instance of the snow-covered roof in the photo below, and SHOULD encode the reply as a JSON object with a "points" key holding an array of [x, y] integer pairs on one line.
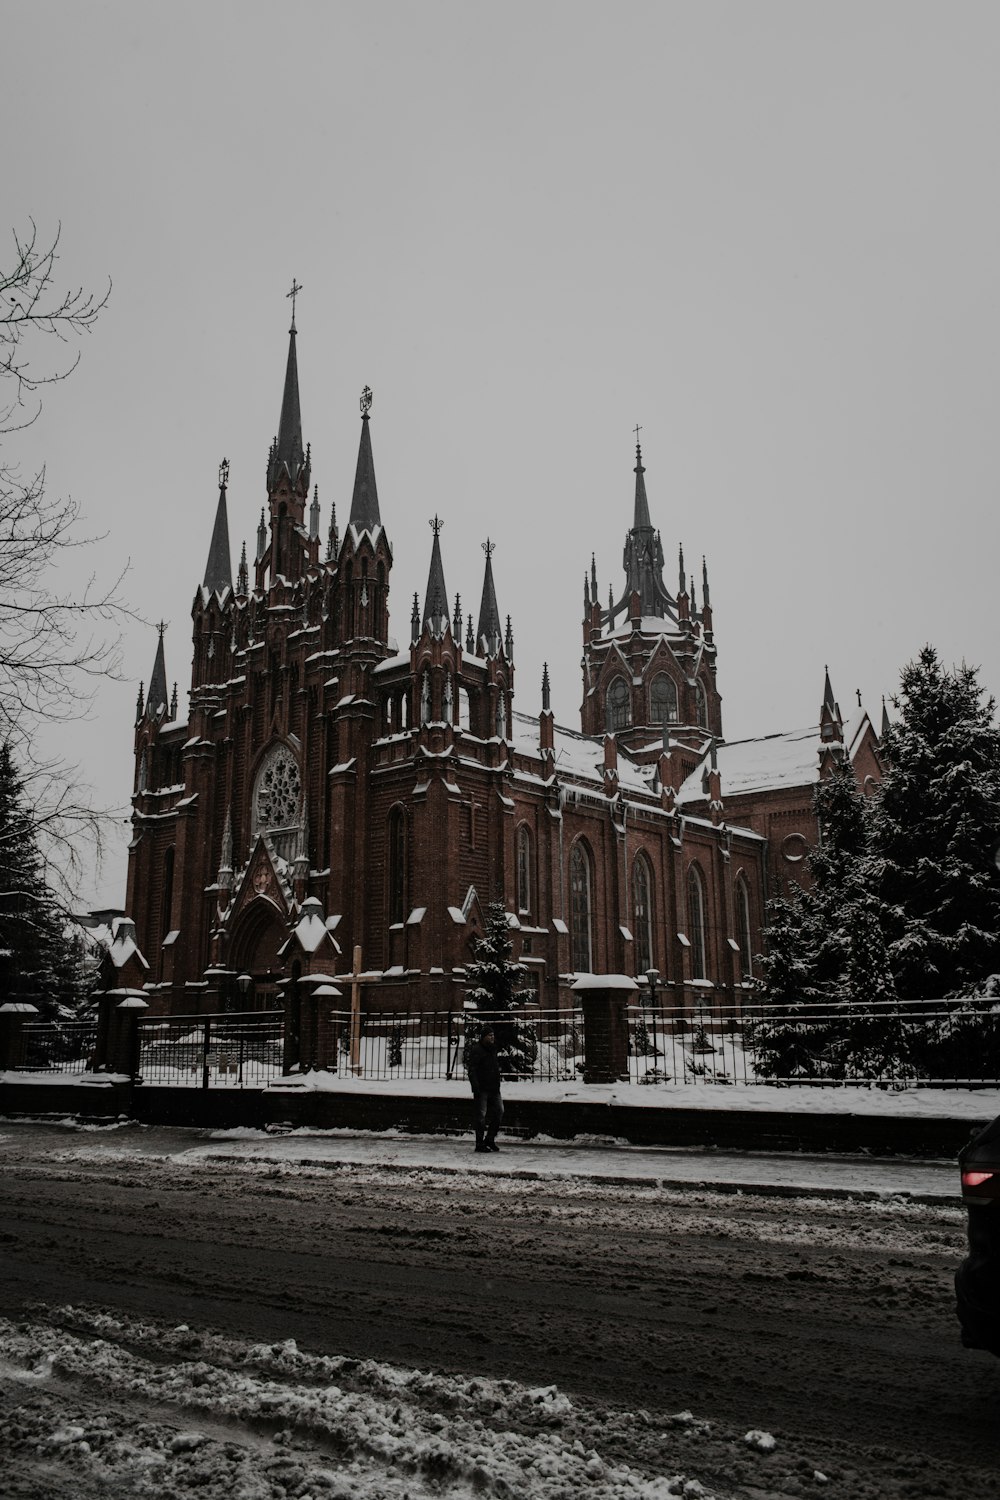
{"points": [[576, 755], [765, 764]]}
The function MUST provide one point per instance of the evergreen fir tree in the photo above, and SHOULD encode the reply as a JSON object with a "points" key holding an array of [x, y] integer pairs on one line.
{"points": [[936, 828], [37, 962], [809, 944], [493, 983]]}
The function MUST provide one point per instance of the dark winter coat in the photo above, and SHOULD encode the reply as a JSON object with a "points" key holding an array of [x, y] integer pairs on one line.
{"points": [[483, 1068]]}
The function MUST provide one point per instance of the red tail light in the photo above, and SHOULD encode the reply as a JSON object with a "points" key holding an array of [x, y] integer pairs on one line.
{"points": [[976, 1179]]}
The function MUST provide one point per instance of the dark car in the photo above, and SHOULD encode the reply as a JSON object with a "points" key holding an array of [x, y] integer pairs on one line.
{"points": [[977, 1280]]}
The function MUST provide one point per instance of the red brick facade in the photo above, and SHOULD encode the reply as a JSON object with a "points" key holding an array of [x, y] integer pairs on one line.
{"points": [[401, 791]]}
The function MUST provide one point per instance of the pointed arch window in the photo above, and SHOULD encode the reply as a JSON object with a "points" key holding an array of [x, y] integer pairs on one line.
{"points": [[642, 914], [619, 706], [663, 700], [524, 871], [743, 930], [696, 922], [580, 910], [397, 865]]}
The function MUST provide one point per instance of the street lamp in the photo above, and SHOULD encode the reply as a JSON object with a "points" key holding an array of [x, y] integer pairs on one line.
{"points": [[244, 983]]}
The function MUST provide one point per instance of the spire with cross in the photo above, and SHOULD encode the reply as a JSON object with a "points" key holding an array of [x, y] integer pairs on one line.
{"points": [[294, 291]]}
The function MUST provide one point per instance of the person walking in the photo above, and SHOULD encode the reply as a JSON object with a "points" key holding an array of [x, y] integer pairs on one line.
{"points": [[483, 1068]]}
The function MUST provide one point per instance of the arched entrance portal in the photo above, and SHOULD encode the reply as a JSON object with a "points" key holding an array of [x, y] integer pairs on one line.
{"points": [[254, 951]]}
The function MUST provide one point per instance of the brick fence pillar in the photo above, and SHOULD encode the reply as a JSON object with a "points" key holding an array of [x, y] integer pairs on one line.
{"points": [[605, 999], [123, 1051], [12, 1018], [318, 1032]]}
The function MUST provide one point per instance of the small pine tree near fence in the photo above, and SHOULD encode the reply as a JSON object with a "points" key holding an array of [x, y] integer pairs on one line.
{"points": [[395, 1051], [494, 983]]}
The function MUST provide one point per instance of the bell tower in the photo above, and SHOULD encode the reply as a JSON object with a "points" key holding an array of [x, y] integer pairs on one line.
{"points": [[649, 659]]}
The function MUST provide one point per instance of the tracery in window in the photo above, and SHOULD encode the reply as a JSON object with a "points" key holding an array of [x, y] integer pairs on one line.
{"points": [[619, 709], [278, 793], [696, 922], [397, 864], [642, 915], [523, 869], [743, 936], [663, 700], [580, 910]]}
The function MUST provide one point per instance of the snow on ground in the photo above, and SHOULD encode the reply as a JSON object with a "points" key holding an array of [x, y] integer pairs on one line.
{"points": [[102, 1405], [951, 1104]]}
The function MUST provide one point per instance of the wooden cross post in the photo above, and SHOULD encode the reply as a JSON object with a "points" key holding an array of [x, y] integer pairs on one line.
{"points": [[357, 979]]}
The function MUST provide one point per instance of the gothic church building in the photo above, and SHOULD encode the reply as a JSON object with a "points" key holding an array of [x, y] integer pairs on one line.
{"points": [[327, 791]]}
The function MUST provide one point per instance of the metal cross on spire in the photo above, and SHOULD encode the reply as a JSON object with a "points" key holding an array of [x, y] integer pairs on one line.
{"points": [[436, 525], [637, 429], [161, 628], [296, 289], [488, 547], [224, 474]]}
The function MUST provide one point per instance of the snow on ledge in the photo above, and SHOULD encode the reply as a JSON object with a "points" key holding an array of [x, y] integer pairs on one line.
{"points": [[604, 982]]}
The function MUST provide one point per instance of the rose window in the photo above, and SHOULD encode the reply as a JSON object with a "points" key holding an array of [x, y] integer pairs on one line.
{"points": [[279, 790]]}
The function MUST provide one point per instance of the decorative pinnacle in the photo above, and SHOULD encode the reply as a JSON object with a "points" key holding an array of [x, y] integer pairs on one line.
{"points": [[161, 627], [489, 547], [436, 525], [224, 474], [366, 400], [296, 289]]}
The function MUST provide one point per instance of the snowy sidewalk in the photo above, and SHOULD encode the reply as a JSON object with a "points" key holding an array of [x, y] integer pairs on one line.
{"points": [[604, 1162]]}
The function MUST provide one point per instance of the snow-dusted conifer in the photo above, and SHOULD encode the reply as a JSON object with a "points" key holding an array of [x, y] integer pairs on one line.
{"points": [[936, 829], [37, 962], [494, 983]]}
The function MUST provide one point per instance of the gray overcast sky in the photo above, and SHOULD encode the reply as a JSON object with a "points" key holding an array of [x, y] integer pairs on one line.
{"points": [[766, 232]]}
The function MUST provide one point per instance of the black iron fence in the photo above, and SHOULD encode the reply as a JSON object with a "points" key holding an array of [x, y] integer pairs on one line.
{"points": [[57, 1046], [227, 1051], [945, 1043], [533, 1045]]}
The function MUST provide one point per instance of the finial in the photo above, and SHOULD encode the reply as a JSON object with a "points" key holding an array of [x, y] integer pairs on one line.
{"points": [[509, 641], [366, 401], [224, 474], [680, 569], [470, 640], [858, 691], [638, 451], [296, 289], [436, 525], [545, 687], [586, 594], [173, 704], [161, 627], [241, 576], [489, 548], [457, 616], [142, 697]]}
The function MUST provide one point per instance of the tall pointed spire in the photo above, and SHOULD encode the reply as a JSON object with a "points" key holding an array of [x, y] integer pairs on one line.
{"points": [[641, 522], [436, 599], [243, 576], [218, 569], [156, 698], [546, 694], [489, 615], [288, 451], [364, 505], [828, 699]]}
